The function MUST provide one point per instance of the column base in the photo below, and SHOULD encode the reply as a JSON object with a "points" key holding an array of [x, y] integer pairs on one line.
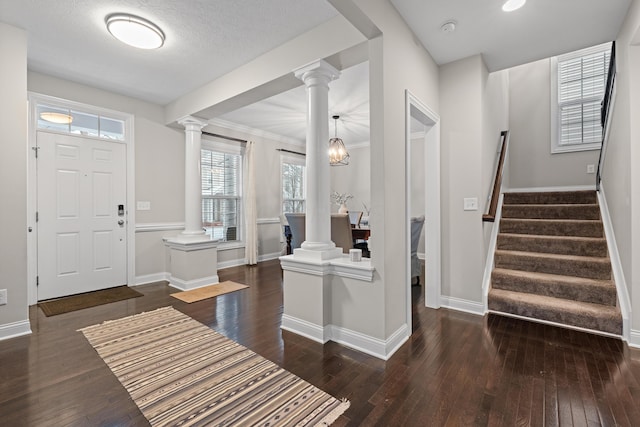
{"points": [[317, 255], [193, 261]]}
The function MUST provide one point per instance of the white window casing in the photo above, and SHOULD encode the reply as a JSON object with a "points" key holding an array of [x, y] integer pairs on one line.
{"points": [[578, 81]]}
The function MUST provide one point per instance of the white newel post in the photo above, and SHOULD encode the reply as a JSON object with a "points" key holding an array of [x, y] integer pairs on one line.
{"points": [[193, 256], [192, 179], [316, 77]]}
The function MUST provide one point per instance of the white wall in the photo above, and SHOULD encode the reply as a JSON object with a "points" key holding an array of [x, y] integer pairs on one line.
{"points": [[531, 163], [14, 316], [621, 177]]}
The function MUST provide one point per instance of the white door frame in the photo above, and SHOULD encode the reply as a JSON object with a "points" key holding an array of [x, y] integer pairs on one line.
{"points": [[32, 188], [421, 112]]}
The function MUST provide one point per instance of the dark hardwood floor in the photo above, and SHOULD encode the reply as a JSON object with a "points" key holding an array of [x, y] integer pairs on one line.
{"points": [[457, 369]]}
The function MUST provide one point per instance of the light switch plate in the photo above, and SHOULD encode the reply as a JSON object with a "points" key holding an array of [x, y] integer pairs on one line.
{"points": [[3, 296], [143, 206], [471, 204]]}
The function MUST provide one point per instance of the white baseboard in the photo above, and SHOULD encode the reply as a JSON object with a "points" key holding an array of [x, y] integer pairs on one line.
{"points": [[547, 189], [306, 329], [458, 304], [269, 257], [15, 329], [151, 278], [187, 285], [231, 263], [634, 338], [382, 349]]}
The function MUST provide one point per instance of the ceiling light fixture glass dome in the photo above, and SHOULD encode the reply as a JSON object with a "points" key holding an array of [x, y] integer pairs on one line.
{"points": [[135, 31], [511, 5]]}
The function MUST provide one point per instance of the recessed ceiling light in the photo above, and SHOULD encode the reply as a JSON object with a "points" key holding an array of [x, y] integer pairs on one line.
{"points": [[511, 5], [135, 31], [59, 118]]}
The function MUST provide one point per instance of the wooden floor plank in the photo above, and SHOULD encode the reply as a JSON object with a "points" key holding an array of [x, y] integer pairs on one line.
{"points": [[456, 368]]}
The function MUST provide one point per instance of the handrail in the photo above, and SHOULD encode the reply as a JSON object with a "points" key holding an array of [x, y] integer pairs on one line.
{"points": [[497, 183], [605, 109]]}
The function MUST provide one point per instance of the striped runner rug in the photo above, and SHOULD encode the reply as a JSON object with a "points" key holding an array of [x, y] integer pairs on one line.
{"points": [[181, 373]]}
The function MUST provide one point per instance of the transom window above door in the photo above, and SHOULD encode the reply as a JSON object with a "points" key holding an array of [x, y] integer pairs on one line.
{"points": [[72, 121]]}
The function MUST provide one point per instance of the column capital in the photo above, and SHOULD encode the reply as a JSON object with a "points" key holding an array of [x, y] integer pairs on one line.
{"points": [[319, 68], [192, 123]]}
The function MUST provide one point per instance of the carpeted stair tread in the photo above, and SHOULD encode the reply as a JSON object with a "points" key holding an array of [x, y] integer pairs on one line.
{"points": [[549, 211], [568, 265], [558, 286], [553, 227], [565, 245], [573, 313], [551, 197]]}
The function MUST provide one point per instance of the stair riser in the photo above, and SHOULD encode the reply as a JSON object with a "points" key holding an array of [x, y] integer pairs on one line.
{"points": [[579, 268], [512, 242], [552, 228], [558, 316], [551, 211], [605, 295], [578, 197]]}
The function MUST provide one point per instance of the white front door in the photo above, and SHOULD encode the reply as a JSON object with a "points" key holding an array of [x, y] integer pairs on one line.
{"points": [[82, 219]]}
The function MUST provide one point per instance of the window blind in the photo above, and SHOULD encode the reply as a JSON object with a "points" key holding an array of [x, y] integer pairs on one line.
{"points": [[581, 86], [221, 194]]}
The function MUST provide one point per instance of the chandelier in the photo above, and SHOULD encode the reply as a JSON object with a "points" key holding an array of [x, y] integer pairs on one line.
{"points": [[338, 155]]}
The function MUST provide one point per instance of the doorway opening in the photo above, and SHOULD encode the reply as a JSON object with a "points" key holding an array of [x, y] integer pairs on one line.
{"points": [[422, 174]]}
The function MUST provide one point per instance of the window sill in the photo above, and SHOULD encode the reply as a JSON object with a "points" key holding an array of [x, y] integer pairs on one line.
{"points": [[575, 148]]}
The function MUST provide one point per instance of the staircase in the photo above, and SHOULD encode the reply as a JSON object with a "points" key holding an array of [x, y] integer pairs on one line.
{"points": [[551, 262]]}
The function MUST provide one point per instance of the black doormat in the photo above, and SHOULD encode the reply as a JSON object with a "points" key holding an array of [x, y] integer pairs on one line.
{"points": [[89, 299]]}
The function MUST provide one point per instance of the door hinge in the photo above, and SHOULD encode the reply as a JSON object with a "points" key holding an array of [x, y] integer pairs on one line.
{"points": [[37, 216], [35, 150], [37, 280]]}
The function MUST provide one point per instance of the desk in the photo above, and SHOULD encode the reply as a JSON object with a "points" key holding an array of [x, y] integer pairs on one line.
{"points": [[359, 233]]}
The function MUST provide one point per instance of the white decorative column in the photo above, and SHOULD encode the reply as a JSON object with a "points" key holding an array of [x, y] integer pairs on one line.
{"points": [[316, 77], [193, 261], [192, 178]]}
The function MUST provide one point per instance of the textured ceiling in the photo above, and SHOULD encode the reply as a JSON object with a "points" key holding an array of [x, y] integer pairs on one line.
{"points": [[204, 40], [540, 29]]}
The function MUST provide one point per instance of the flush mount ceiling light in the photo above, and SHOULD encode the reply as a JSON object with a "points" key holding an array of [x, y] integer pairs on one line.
{"points": [[59, 118], [338, 155], [135, 31], [511, 5]]}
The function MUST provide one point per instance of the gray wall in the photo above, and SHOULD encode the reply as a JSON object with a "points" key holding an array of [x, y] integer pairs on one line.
{"points": [[531, 163], [621, 178], [13, 183], [474, 109]]}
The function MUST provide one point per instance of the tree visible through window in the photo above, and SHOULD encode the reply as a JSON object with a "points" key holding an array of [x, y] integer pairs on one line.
{"points": [[221, 194], [581, 81], [293, 196]]}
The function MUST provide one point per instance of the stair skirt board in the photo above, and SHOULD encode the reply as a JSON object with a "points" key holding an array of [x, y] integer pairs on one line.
{"points": [[560, 325]]}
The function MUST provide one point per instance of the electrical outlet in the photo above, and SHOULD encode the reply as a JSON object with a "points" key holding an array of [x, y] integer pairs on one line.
{"points": [[591, 168], [3, 296]]}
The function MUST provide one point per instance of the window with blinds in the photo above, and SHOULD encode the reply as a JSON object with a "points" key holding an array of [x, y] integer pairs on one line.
{"points": [[581, 81], [221, 194], [293, 195]]}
